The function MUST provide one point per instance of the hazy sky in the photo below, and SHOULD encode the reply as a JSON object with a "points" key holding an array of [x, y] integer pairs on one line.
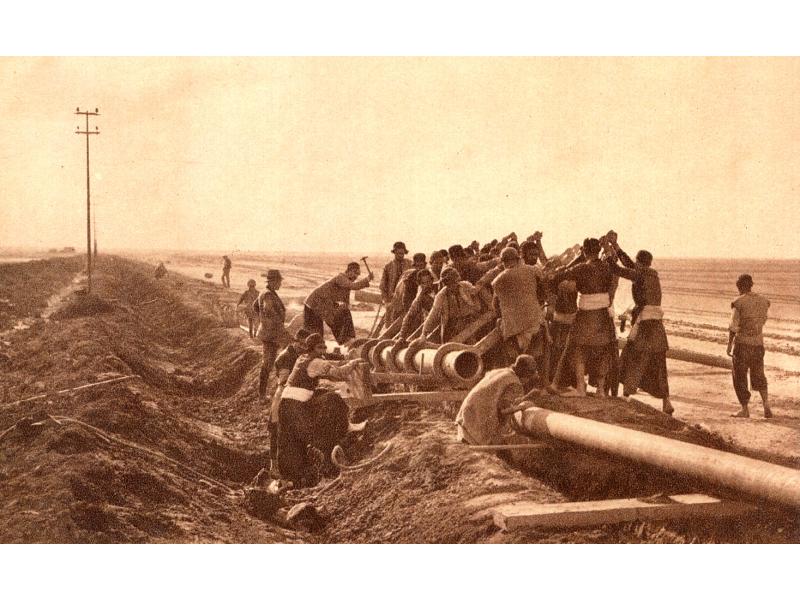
{"points": [[685, 157]]}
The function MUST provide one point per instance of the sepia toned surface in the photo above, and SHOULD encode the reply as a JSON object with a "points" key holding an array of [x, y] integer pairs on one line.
{"points": [[306, 164], [691, 156]]}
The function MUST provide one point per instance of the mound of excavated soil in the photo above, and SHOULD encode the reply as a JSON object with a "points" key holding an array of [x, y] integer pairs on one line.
{"points": [[428, 488], [161, 457], [26, 287], [166, 456], [82, 305]]}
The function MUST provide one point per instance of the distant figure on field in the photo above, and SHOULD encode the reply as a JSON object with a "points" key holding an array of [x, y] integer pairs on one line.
{"points": [[248, 298], [330, 303], [484, 415], [161, 271], [271, 313], [226, 272], [746, 345]]}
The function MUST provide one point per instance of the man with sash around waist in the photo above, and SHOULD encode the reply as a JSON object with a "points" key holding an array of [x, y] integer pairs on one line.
{"points": [[592, 331], [643, 363], [310, 416]]}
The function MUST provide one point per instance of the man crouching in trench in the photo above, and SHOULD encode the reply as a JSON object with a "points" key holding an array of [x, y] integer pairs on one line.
{"points": [[485, 414], [311, 419]]}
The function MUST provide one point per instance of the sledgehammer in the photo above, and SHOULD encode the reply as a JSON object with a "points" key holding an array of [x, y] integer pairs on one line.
{"points": [[364, 260]]}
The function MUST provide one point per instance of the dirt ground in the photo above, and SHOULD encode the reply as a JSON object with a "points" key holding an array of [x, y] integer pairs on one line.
{"points": [[166, 456]]}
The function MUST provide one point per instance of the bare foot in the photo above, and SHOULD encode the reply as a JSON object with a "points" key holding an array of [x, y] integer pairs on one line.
{"points": [[744, 413], [571, 393]]}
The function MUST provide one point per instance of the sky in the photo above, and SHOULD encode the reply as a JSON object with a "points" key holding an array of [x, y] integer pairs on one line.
{"points": [[696, 157]]}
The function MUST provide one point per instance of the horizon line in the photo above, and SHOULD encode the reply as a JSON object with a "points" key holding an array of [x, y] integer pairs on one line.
{"points": [[78, 252]]}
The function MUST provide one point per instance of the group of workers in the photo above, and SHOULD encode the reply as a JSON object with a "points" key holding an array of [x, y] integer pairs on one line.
{"points": [[554, 315]]}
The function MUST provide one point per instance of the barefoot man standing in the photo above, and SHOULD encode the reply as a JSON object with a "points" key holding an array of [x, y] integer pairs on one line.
{"points": [[746, 345]]}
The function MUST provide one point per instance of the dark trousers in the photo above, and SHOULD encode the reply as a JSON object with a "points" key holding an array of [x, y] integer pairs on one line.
{"points": [[267, 362], [294, 436], [640, 369], [312, 322], [746, 359], [341, 326]]}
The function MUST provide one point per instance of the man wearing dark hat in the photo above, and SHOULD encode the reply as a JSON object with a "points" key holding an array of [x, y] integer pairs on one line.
{"points": [[592, 332], [391, 276], [271, 314], [746, 345], [311, 416], [454, 307], [484, 415], [330, 303]]}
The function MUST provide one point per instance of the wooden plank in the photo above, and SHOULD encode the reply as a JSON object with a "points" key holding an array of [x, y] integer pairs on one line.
{"points": [[522, 515], [429, 397]]}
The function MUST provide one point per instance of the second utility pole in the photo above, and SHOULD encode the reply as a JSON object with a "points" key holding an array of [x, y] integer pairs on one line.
{"points": [[87, 133]]}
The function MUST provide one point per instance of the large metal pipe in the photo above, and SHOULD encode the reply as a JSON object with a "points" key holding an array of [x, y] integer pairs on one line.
{"points": [[754, 477], [700, 358], [423, 361]]}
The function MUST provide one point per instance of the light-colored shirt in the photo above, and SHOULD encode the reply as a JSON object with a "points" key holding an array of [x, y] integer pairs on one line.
{"points": [[479, 420], [515, 291], [748, 319]]}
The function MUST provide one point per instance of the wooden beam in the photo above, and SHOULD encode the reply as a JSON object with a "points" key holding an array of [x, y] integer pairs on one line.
{"points": [[425, 397], [522, 515], [407, 378]]}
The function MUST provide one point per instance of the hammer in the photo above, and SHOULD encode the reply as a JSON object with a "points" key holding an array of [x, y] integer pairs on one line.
{"points": [[364, 260]]}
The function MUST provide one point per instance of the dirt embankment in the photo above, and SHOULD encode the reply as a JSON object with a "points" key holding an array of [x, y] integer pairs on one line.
{"points": [[165, 457], [161, 457], [428, 488], [26, 287]]}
